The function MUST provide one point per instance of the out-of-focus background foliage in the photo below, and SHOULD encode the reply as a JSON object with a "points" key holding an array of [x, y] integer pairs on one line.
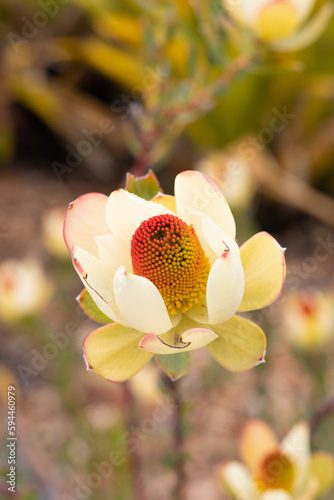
{"points": [[91, 90]]}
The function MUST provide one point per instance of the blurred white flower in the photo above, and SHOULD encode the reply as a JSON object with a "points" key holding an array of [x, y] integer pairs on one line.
{"points": [[24, 289], [232, 176], [308, 318], [280, 23]]}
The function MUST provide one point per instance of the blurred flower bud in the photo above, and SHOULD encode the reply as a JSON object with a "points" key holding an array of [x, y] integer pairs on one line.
{"points": [[145, 385], [53, 222], [24, 289], [308, 318], [232, 176]]}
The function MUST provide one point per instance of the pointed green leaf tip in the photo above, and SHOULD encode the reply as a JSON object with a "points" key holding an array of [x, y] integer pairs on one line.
{"points": [[145, 187], [174, 365], [89, 307]]}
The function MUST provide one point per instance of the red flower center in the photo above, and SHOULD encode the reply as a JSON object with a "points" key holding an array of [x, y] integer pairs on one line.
{"points": [[165, 250]]}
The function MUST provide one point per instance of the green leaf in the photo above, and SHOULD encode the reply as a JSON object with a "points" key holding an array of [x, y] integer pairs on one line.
{"points": [[174, 365], [145, 187], [89, 307]]}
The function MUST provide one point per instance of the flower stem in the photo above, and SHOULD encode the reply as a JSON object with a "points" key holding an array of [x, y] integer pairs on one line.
{"points": [[324, 410], [131, 420], [178, 437]]}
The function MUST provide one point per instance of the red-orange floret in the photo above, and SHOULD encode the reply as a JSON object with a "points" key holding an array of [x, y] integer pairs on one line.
{"points": [[165, 250]]}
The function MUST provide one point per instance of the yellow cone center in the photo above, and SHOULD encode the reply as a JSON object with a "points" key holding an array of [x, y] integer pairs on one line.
{"points": [[165, 250], [277, 20], [276, 472]]}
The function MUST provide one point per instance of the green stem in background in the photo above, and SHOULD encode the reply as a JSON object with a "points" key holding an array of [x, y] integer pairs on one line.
{"points": [[131, 419], [178, 437], [170, 120], [324, 411]]}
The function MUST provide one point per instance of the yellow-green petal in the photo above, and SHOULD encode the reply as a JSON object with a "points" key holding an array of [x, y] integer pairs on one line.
{"points": [[240, 346], [113, 352], [322, 471], [264, 269], [174, 365], [89, 307]]}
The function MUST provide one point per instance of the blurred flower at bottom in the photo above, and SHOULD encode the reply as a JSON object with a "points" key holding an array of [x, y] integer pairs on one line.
{"points": [[308, 318], [277, 471], [24, 289]]}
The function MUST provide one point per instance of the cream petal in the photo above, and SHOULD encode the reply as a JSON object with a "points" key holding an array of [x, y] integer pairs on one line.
{"points": [[140, 303], [224, 290], [276, 495], [245, 11], [113, 352], [309, 33], [237, 480], [98, 282], [186, 336], [303, 7], [194, 192], [126, 211], [113, 253], [199, 312], [85, 219], [296, 445], [210, 235], [225, 287]]}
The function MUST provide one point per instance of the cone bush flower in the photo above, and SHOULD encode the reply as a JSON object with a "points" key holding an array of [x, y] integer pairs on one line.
{"points": [[281, 23], [168, 277], [277, 471]]}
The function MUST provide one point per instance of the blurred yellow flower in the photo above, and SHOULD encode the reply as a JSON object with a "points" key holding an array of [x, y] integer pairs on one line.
{"points": [[145, 385], [280, 23], [277, 471], [232, 175], [24, 289], [53, 223], [171, 276], [308, 318]]}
